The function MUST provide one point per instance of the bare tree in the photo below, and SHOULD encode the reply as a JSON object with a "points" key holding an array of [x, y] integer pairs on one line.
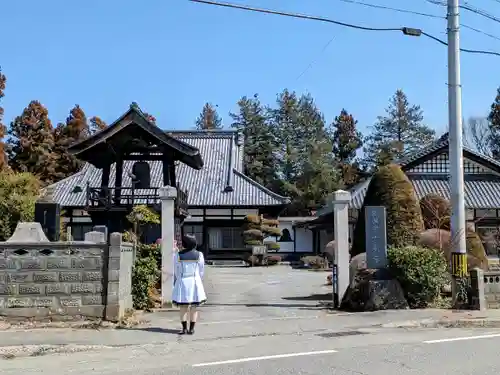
{"points": [[477, 135]]}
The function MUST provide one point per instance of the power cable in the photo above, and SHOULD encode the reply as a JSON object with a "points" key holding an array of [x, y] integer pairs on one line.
{"points": [[472, 9], [429, 15], [315, 60], [405, 30], [376, 6]]}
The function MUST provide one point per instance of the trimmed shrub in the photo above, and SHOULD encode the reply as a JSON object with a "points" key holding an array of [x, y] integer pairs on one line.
{"points": [[476, 254], [314, 261], [422, 272], [390, 187], [274, 259], [440, 240], [436, 212], [272, 246], [256, 229], [263, 260]]}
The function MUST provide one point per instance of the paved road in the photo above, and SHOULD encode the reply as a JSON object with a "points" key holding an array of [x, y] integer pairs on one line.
{"points": [[258, 322]]}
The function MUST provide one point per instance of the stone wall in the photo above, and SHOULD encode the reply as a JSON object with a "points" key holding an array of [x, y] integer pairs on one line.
{"points": [[66, 280], [491, 281]]}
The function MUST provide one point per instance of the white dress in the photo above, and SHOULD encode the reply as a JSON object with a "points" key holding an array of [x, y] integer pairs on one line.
{"points": [[189, 268]]}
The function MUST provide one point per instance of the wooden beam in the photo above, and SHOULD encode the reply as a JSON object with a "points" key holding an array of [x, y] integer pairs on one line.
{"points": [[118, 180], [106, 171]]}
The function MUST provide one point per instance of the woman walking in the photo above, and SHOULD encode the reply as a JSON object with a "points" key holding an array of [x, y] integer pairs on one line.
{"points": [[188, 293]]}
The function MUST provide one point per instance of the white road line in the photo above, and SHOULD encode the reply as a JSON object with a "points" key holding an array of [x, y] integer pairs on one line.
{"points": [[462, 338], [263, 358]]}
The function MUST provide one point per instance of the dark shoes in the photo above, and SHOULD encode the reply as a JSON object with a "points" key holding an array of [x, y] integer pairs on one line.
{"points": [[191, 328], [185, 330]]}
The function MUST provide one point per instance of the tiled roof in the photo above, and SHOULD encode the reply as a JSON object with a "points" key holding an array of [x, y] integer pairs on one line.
{"points": [[481, 192], [440, 144], [222, 153]]}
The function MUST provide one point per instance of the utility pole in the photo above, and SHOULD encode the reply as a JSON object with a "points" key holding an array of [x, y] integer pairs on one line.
{"points": [[458, 218]]}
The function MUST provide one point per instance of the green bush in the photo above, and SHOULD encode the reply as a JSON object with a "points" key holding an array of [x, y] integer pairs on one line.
{"points": [[422, 272], [153, 250], [436, 212], [18, 194], [145, 275], [390, 187]]}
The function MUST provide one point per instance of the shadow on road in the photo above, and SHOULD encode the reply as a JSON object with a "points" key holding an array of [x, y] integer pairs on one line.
{"points": [[312, 297], [153, 330]]}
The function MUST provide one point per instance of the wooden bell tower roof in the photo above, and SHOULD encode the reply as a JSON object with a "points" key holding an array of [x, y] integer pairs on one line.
{"points": [[132, 133]]}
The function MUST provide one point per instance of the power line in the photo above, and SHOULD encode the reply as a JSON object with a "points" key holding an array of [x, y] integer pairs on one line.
{"points": [[315, 60], [469, 8], [429, 15], [404, 30], [480, 31], [295, 15], [376, 6]]}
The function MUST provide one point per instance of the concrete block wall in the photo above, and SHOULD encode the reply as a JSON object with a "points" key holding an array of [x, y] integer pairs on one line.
{"points": [[492, 289], [66, 280]]}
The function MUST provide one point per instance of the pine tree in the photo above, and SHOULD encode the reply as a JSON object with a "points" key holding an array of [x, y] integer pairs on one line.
{"points": [[3, 128], [346, 142], [494, 126], [96, 125], [260, 145], [74, 130], [31, 143], [306, 166], [400, 132], [209, 119]]}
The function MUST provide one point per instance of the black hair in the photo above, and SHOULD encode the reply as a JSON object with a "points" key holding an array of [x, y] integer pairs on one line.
{"points": [[188, 242]]}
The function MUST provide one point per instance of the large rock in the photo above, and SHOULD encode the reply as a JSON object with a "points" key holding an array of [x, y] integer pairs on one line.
{"points": [[358, 262], [373, 290], [329, 251]]}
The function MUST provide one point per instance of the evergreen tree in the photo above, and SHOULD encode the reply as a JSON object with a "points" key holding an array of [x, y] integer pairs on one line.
{"points": [[400, 132], [494, 126], [74, 130], [306, 167], [260, 145], [96, 124], [3, 128], [284, 124], [209, 119], [346, 142], [31, 143]]}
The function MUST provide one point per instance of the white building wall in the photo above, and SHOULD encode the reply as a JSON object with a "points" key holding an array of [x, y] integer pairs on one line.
{"points": [[301, 239]]}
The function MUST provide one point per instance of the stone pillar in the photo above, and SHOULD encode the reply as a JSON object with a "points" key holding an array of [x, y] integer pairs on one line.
{"points": [[477, 298], [341, 201], [167, 197]]}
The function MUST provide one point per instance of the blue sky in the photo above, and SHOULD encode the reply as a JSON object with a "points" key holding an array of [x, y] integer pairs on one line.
{"points": [[171, 56]]}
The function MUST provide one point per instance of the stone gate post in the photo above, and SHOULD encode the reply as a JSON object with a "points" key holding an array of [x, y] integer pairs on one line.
{"points": [[168, 194], [341, 201]]}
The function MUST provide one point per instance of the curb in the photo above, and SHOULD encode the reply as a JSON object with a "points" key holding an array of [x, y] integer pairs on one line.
{"points": [[446, 323], [21, 351]]}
